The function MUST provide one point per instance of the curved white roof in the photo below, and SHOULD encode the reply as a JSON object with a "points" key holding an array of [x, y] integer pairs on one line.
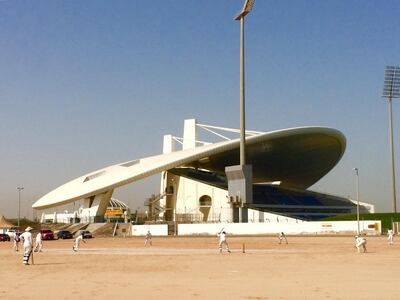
{"points": [[115, 203], [270, 144]]}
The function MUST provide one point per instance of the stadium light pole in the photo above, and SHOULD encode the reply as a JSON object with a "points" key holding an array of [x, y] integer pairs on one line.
{"points": [[391, 89], [358, 200], [20, 188], [247, 6]]}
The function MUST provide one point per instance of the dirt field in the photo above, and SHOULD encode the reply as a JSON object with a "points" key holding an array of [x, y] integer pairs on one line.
{"points": [[191, 267]]}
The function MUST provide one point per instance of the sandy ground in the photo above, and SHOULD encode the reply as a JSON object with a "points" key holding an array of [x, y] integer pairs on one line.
{"points": [[192, 268]]}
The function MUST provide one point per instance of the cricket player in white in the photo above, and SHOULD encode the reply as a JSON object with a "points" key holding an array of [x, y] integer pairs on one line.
{"points": [[390, 236], [281, 237], [27, 238], [16, 240], [77, 242], [39, 243], [147, 239], [361, 243], [222, 241]]}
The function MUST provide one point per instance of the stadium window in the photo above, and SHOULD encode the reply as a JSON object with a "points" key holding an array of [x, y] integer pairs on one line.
{"points": [[205, 200]]}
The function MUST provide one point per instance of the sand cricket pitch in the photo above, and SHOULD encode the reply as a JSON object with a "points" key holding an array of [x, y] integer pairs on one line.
{"points": [[192, 268]]}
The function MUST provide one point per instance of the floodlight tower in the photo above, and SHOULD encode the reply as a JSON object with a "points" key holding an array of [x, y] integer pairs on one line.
{"points": [[247, 6], [20, 188], [240, 178], [391, 89], [358, 200]]}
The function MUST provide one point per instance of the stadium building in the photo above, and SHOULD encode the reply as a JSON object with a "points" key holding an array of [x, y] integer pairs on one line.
{"points": [[194, 185]]}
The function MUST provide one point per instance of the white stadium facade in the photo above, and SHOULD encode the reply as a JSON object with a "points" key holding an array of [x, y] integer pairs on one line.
{"points": [[194, 186]]}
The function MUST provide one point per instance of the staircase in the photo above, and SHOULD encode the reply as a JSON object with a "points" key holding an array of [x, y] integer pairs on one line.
{"points": [[155, 208], [121, 229], [105, 230], [95, 226]]}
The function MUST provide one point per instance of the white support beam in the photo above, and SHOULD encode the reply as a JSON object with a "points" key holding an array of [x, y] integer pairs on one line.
{"points": [[96, 205], [248, 132]]}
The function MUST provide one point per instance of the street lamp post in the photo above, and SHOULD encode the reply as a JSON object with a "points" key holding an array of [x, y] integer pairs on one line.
{"points": [[20, 188], [391, 89], [358, 200]]}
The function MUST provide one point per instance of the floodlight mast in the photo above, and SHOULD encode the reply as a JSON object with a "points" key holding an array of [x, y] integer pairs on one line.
{"points": [[358, 200], [20, 188], [247, 6], [240, 176], [391, 89]]}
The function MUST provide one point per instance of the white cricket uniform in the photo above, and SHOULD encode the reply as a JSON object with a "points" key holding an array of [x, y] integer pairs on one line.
{"points": [[281, 237], [361, 243], [16, 240], [222, 241], [27, 238], [77, 242], [147, 239], [390, 236], [39, 243]]}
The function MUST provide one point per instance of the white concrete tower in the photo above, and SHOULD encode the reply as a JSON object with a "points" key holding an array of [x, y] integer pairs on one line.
{"points": [[189, 134]]}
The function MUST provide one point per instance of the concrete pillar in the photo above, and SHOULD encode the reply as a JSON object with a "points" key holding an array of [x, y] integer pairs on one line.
{"points": [[168, 144], [189, 134], [168, 147], [96, 206]]}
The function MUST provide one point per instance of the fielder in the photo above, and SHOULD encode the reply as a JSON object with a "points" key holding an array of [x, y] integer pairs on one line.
{"points": [[16, 240], [361, 243], [147, 239], [39, 243], [282, 236], [390, 236], [222, 241], [78, 240], [27, 238]]}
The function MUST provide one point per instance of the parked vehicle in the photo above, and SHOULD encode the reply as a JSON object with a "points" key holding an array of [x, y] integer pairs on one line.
{"points": [[47, 234], [4, 237], [64, 234], [11, 232], [86, 234]]}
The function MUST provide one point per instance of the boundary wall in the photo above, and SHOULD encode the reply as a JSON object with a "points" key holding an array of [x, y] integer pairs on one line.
{"points": [[155, 229], [326, 227]]}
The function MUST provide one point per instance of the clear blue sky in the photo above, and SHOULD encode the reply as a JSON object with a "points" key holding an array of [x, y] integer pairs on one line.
{"points": [[86, 84]]}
